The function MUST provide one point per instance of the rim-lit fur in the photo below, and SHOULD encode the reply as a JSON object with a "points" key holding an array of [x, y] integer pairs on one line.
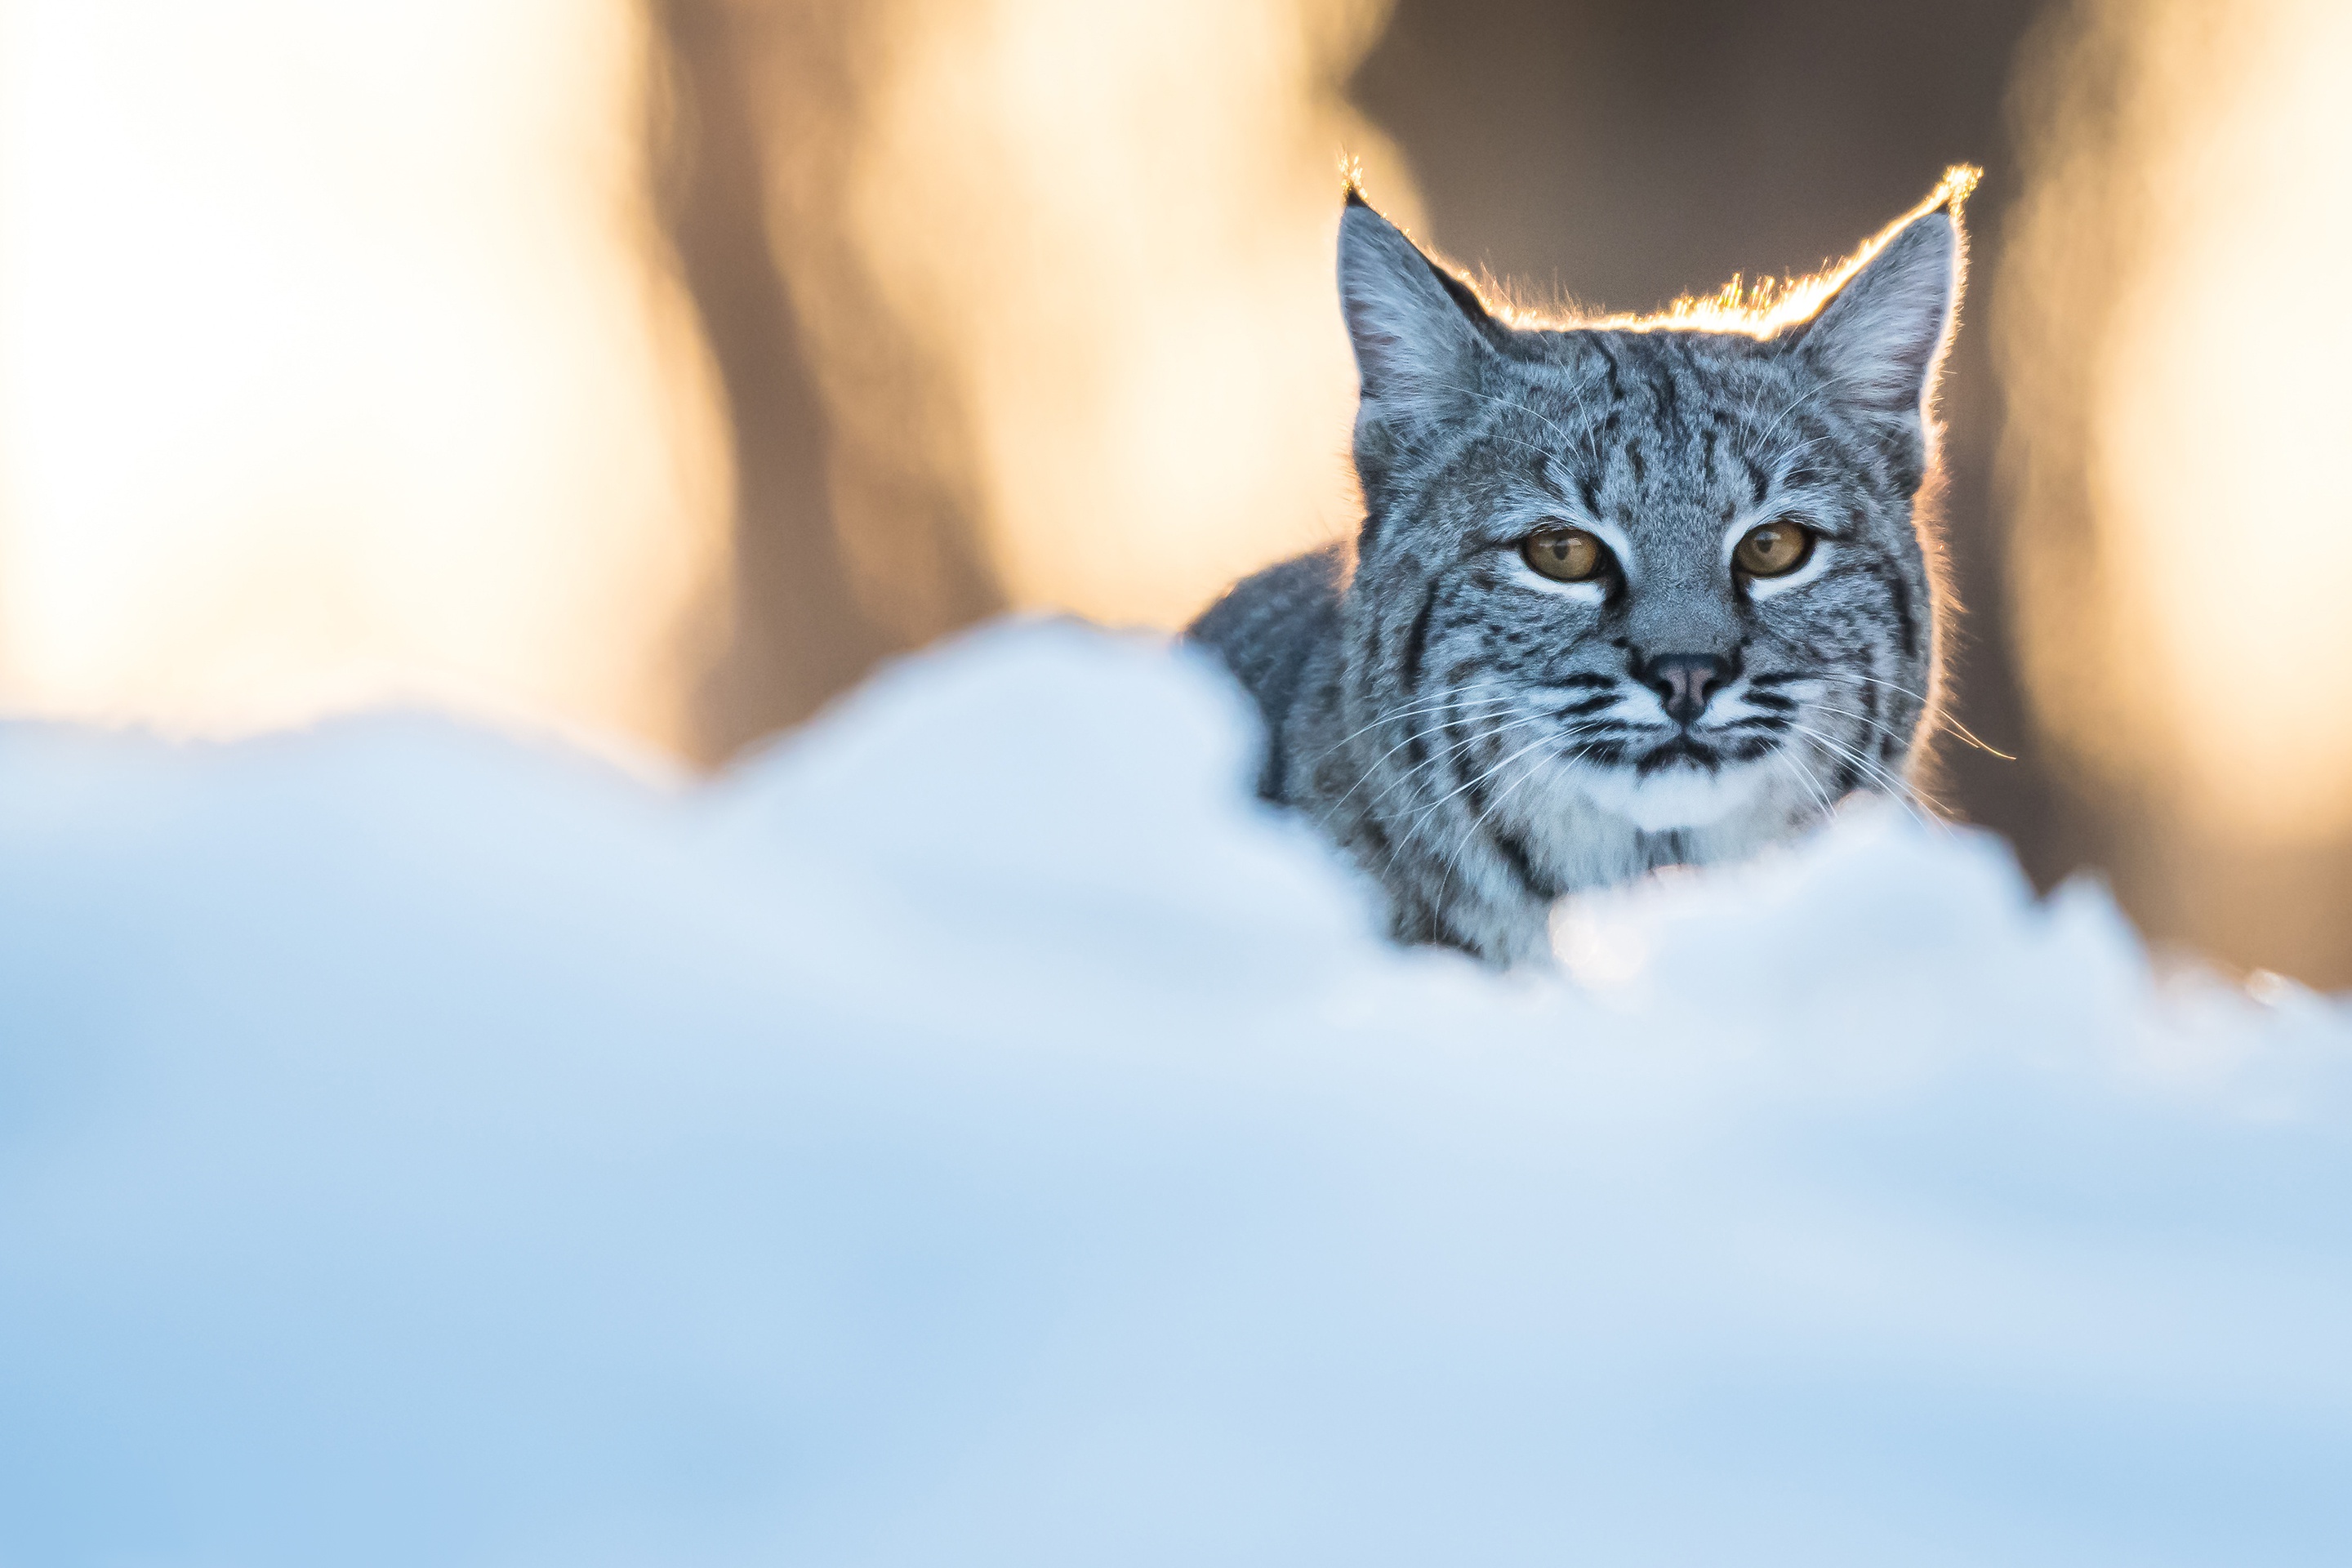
{"points": [[1482, 738]]}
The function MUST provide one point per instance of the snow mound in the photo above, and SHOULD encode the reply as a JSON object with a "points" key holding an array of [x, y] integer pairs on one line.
{"points": [[976, 1132]]}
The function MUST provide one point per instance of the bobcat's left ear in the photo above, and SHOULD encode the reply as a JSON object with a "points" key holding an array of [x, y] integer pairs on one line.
{"points": [[1883, 333]]}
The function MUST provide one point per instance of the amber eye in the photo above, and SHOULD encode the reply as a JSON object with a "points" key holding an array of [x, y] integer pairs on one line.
{"points": [[1566, 554], [1773, 548]]}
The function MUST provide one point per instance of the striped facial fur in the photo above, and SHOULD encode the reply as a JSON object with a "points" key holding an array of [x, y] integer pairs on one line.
{"points": [[1624, 595]]}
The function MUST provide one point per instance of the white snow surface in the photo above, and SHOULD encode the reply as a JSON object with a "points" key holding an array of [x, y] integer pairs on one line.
{"points": [[975, 1132]]}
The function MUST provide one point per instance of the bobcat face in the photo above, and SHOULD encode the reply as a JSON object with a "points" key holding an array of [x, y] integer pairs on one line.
{"points": [[1656, 580]]}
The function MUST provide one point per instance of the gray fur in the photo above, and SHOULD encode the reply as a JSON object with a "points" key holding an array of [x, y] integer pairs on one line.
{"points": [[1477, 737]]}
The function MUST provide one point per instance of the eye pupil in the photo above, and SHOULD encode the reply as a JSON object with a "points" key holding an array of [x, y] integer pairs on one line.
{"points": [[1565, 555]]}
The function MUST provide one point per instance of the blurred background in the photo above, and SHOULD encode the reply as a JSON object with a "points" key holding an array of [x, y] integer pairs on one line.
{"points": [[652, 368]]}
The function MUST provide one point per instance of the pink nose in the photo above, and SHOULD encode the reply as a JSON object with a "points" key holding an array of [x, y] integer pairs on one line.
{"points": [[1684, 681]]}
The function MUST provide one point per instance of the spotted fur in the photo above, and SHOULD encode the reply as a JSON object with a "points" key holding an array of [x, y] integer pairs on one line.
{"points": [[1482, 738]]}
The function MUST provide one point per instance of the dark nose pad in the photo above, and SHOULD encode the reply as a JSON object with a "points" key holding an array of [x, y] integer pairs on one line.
{"points": [[1684, 681]]}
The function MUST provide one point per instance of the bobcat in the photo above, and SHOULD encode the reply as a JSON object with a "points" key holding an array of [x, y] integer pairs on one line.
{"points": [[1626, 593]]}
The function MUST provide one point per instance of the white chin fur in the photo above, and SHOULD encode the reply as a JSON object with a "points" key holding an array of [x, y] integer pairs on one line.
{"points": [[1683, 795]]}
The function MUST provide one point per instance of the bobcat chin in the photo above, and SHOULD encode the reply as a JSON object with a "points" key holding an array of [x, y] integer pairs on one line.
{"points": [[1626, 593]]}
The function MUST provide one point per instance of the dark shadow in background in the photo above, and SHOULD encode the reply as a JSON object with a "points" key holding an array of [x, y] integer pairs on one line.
{"points": [[796, 634], [736, 81], [1624, 154]]}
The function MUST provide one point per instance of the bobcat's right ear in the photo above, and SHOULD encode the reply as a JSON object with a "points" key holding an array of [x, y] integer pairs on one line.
{"points": [[1416, 328], [1881, 335]]}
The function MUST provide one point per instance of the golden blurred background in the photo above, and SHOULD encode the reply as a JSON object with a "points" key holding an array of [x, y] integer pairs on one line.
{"points": [[653, 367]]}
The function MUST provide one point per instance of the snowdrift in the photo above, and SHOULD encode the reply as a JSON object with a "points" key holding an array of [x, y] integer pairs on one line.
{"points": [[976, 1133]]}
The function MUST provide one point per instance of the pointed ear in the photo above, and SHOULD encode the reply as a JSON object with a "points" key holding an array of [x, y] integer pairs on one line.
{"points": [[1415, 327], [1882, 334]]}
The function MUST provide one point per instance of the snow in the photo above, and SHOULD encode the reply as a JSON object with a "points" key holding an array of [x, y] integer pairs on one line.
{"points": [[975, 1132]]}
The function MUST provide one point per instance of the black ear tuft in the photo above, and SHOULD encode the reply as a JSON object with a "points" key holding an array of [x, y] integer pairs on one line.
{"points": [[1355, 196]]}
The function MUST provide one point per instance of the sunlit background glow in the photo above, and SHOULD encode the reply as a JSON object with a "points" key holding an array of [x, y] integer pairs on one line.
{"points": [[333, 366], [2178, 353], [1114, 224]]}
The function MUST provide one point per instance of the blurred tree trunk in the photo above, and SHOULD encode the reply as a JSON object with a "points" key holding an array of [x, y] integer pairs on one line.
{"points": [[846, 550]]}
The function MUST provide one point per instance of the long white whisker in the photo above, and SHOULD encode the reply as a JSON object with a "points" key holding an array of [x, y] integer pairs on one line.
{"points": [[1366, 775], [1898, 790], [1415, 826], [1805, 777], [1451, 700], [1880, 725], [1951, 725], [1893, 785], [1405, 778]]}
